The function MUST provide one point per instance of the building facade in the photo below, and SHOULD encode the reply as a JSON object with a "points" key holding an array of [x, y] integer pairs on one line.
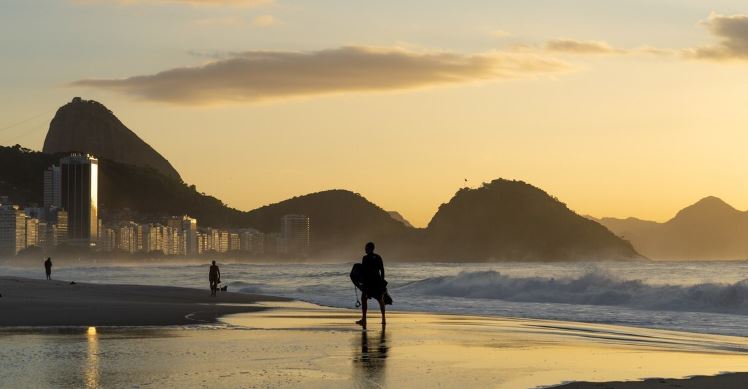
{"points": [[12, 230], [295, 235], [52, 196], [79, 175]]}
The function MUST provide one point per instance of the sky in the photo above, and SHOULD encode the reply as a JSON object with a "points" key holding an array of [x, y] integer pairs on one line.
{"points": [[618, 108]]}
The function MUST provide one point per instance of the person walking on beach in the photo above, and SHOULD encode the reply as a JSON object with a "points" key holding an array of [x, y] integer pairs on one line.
{"points": [[374, 286], [48, 268], [214, 276]]}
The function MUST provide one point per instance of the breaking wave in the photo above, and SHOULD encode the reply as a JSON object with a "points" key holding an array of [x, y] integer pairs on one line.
{"points": [[593, 288]]}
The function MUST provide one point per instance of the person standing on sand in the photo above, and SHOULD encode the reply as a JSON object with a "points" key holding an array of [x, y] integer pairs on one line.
{"points": [[48, 268], [374, 284], [214, 276]]}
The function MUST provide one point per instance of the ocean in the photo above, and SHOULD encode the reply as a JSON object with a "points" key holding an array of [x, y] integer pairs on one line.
{"points": [[705, 297]]}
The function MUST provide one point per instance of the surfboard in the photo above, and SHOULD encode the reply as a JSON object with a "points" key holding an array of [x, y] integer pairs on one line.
{"points": [[357, 276]]}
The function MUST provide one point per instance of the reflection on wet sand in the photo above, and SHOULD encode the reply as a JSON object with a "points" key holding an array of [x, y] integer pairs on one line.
{"points": [[91, 368], [370, 362]]}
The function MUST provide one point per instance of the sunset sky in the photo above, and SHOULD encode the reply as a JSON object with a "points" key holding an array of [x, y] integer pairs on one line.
{"points": [[618, 108]]}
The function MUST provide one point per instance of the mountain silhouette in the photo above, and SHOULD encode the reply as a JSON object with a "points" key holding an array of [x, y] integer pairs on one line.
{"points": [[88, 126], [506, 220], [397, 216], [710, 229], [502, 220], [341, 222]]}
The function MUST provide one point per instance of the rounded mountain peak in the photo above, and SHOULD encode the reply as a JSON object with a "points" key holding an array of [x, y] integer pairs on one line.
{"points": [[708, 208], [87, 126]]}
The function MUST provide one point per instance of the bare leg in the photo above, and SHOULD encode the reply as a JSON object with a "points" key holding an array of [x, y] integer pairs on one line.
{"points": [[381, 308], [364, 307]]}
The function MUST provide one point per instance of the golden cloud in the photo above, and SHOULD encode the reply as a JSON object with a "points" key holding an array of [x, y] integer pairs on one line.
{"points": [[267, 75], [733, 32], [580, 47]]}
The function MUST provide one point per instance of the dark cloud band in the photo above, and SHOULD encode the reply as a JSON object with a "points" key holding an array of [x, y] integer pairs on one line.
{"points": [[266, 75]]}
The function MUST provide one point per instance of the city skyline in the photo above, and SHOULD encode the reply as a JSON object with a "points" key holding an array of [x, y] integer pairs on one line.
{"points": [[614, 120]]}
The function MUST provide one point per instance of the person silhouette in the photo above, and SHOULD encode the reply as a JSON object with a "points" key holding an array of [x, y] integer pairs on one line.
{"points": [[374, 286], [214, 277], [48, 268]]}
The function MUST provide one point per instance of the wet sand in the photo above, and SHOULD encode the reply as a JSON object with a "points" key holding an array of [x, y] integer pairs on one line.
{"points": [[298, 345], [28, 302]]}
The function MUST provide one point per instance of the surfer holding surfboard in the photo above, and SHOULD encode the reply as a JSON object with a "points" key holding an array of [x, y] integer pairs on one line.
{"points": [[368, 276]]}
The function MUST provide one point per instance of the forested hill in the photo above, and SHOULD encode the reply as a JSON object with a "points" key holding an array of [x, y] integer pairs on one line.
{"points": [[342, 221], [141, 189], [502, 220], [512, 220]]}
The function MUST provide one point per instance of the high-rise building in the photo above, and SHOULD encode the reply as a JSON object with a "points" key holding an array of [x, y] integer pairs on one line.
{"points": [[32, 232], [12, 230], [204, 242], [234, 241], [79, 176], [107, 239], [52, 187], [223, 242], [126, 237], [252, 241], [187, 228], [153, 238], [53, 225], [295, 235]]}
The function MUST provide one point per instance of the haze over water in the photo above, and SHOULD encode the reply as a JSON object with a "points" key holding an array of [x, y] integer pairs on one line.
{"points": [[708, 297]]}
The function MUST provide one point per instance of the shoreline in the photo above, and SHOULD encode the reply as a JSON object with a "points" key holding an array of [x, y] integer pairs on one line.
{"points": [[41, 303], [491, 350]]}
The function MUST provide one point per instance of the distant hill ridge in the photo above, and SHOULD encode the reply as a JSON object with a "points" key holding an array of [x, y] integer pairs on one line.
{"points": [[507, 220], [88, 126], [709, 229], [502, 220]]}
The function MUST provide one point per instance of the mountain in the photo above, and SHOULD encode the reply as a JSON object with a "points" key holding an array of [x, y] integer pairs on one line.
{"points": [[89, 127], [512, 220], [503, 220], [341, 223], [121, 186], [710, 229], [397, 216]]}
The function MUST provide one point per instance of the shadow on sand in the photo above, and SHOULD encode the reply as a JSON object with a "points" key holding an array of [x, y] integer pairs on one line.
{"points": [[370, 361]]}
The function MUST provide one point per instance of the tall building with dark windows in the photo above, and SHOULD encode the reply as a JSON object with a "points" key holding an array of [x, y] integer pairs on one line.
{"points": [[295, 235], [12, 230], [79, 190], [52, 187]]}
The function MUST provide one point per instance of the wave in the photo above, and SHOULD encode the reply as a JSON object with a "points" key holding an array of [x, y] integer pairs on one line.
{"points": [[246, 287], [593, 288]]}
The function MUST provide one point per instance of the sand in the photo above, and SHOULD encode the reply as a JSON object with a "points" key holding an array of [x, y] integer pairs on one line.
{"points": [[266, 342], [28, 302]]}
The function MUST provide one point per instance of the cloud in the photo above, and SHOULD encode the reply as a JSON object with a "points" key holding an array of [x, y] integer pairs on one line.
{"points": [[267, 75], [733, 32], [236, 3], [580, 47], [264, 21]]}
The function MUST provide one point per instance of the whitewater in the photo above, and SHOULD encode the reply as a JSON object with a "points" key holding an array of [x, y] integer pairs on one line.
{"points": [[706, 297]]}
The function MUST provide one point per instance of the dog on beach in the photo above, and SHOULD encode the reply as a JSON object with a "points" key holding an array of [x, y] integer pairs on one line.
{"points": [[224, 288]]}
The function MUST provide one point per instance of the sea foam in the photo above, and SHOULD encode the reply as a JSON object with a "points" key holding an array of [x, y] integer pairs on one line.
{"points": [[593, 288]]}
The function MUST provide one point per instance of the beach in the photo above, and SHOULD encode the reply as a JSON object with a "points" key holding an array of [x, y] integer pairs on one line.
{"points": [[180, 337], [30, 302]]}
